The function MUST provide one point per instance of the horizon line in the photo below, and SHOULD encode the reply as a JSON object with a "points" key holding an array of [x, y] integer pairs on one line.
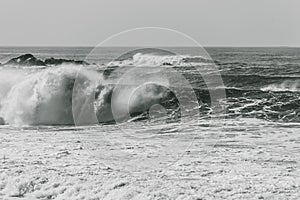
{"points": [[121, 46]]}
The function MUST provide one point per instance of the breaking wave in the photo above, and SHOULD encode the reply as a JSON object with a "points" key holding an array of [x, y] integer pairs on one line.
{"points": [[49, 97], [288, 85], [43, 97], [140, 59], [57, 95]]}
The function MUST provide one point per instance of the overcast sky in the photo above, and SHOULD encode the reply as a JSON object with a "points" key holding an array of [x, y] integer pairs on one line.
{"points": [[210, 22]]}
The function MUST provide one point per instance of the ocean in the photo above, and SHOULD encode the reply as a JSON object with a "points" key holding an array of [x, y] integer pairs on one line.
{"points": [[259, 82], [219, 123]]}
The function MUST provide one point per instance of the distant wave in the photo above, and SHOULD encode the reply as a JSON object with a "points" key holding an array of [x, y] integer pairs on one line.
{"points": [[263, 82], [287, 85], [140, 59]]}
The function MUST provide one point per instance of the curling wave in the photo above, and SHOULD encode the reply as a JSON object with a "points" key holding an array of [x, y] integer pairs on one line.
{"points": [[48, 97]]}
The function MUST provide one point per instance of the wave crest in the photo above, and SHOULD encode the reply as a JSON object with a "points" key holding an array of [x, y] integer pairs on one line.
{"points": [[140, 59], [288, 85], [42, 98]]}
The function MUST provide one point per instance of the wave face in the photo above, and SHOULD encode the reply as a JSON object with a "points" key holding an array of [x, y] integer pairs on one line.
{"points": [[258, 84], [132, 100]]}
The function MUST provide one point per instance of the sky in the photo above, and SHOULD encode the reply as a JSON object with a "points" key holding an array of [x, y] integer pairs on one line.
{"points": [[210, 22]]}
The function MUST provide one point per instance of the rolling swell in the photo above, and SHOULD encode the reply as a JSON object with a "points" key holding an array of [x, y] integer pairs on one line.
{"points": [[264, 82]]}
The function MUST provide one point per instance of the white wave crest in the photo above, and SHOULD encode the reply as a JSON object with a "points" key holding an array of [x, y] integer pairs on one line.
{"points": [[288, 85], [140, 59], [41, 98]]}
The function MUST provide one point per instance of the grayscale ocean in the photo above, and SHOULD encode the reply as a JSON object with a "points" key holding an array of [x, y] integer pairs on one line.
{"points": [[82, 125]]}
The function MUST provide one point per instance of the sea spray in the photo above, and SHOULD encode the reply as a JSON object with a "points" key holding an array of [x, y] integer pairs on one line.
{"points": [[43, 97]]}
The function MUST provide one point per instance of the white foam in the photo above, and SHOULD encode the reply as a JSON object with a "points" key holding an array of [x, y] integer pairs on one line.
{"points": [[43, 97], [140, 59], [288, 85]]}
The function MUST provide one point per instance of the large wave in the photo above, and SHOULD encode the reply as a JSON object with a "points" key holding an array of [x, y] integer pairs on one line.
{"points": [[43, 97], [61, 95]]}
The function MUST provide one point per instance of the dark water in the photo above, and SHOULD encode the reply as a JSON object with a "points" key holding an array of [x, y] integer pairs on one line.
{"points": [[266, 81]]}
